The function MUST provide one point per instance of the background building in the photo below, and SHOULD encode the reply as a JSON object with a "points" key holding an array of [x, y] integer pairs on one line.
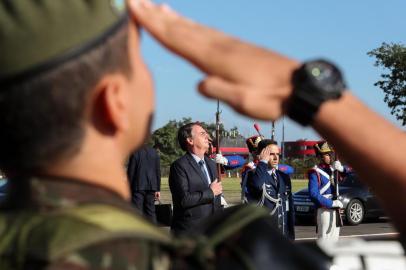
{"points": [[299, 149]]}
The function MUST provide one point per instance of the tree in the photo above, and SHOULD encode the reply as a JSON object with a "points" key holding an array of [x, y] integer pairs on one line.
{"points": [[392, 57]]}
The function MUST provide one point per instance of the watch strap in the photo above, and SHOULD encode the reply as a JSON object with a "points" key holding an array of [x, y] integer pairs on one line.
{"points": [[302, 108]]}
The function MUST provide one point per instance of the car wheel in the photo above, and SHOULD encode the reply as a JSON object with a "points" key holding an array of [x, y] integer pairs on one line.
{"points": [[355, 212]]}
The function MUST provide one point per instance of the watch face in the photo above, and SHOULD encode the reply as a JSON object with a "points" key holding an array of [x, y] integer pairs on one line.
{"points": [[325, 75], [313, 83]]}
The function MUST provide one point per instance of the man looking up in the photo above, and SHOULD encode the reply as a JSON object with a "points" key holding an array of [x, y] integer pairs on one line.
{"points": [[272, 188], [193, 180]]}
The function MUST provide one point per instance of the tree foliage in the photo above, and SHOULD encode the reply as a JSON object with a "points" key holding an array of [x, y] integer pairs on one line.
{"points": [[392, 57]]}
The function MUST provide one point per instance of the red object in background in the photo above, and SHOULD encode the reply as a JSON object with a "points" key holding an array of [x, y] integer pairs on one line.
{"points": [[227, 151], [257, 128], [299, 149]]}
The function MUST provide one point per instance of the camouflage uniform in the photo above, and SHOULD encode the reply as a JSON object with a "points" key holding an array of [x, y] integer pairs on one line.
{"points": [[47, 197]]}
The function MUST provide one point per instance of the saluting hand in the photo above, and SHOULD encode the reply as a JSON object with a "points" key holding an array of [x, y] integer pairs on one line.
{"points": [[265, 154]]}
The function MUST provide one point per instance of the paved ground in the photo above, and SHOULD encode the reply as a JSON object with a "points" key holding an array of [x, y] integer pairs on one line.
{"points": [[382, 228]]}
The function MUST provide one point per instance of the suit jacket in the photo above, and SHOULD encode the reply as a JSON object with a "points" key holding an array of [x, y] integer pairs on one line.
{"points": [[260, 176], [143, 171], [193, 200]]}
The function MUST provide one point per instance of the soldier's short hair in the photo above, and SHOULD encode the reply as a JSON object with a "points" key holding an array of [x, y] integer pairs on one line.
{"points": [[42, 117]]}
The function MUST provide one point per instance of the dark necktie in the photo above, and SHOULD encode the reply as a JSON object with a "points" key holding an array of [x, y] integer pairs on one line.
{"points": [[275, 178], [201, 163]]}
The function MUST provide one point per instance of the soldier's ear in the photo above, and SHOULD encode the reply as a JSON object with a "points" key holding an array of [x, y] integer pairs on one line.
{"points": [[109, 104]]}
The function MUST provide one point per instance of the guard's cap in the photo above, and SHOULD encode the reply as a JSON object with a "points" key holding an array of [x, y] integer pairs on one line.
{"points": [[252, 143], [37, 35], [322, 148]]}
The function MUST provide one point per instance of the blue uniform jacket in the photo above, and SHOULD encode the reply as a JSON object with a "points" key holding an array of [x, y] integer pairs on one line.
{"points": [[319, 181], [245, 196], [260, 176]]}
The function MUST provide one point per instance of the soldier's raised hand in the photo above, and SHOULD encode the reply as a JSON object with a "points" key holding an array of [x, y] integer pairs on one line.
{"points": [[265, 154]]}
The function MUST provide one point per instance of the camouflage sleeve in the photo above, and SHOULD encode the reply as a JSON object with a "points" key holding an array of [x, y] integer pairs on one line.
{"points": [[126, 254]]}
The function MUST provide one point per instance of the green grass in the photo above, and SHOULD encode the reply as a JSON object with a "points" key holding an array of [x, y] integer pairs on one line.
{"points": [[231, 189]]}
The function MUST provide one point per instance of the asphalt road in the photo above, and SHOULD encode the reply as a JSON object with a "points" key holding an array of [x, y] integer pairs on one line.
{"points": [[380, 229]]}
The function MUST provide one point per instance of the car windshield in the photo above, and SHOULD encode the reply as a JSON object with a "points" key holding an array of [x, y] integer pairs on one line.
{"points": [[351, 180]]}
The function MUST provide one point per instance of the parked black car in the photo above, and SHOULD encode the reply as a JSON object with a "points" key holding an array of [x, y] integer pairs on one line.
{"points": [[359, 203]]}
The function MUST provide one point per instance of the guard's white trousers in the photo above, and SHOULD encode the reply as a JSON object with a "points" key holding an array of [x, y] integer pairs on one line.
{"points": [[326, 224]]}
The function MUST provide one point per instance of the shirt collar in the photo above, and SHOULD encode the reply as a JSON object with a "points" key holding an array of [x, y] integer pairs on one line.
{"points": [[196, 158]]}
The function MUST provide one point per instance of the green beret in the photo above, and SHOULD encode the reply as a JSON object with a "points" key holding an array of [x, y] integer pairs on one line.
{"points": [[37, 35]]}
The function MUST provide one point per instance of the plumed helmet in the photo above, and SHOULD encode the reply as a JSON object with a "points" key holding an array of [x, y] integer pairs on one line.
{"points": [[252, 143], [322, 148]]}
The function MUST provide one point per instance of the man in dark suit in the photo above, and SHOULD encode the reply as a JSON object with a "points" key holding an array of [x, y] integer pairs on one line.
{"points": [[273, 188], [193, 180], [144, 175]]}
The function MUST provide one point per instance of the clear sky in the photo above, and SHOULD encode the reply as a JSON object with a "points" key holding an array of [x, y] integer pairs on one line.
{"points": [[342, 31]]}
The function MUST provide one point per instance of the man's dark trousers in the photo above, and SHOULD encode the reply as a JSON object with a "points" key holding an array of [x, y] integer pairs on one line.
{"points": [[144, 201]]}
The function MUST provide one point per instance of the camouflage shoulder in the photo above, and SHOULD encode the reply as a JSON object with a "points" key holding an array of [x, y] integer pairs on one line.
{"points": [[120, 254]]}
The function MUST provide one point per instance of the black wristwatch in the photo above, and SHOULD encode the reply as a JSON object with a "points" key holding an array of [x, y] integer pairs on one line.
{"points": [[313, 83]]}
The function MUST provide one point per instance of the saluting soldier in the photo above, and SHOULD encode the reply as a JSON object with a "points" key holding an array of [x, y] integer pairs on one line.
{"points": [[321, 189], [75, 100], [272, 188]]}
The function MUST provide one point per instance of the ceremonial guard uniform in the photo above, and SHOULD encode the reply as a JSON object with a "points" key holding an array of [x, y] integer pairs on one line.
{"points": [[65, 206], [321, 190], [246, 197], [252, 144], [273, 190]]}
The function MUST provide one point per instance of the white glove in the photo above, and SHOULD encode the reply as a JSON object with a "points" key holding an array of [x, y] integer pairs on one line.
{"points": [[251, 165], [337, 204], [220, 159], [337, 166]]}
